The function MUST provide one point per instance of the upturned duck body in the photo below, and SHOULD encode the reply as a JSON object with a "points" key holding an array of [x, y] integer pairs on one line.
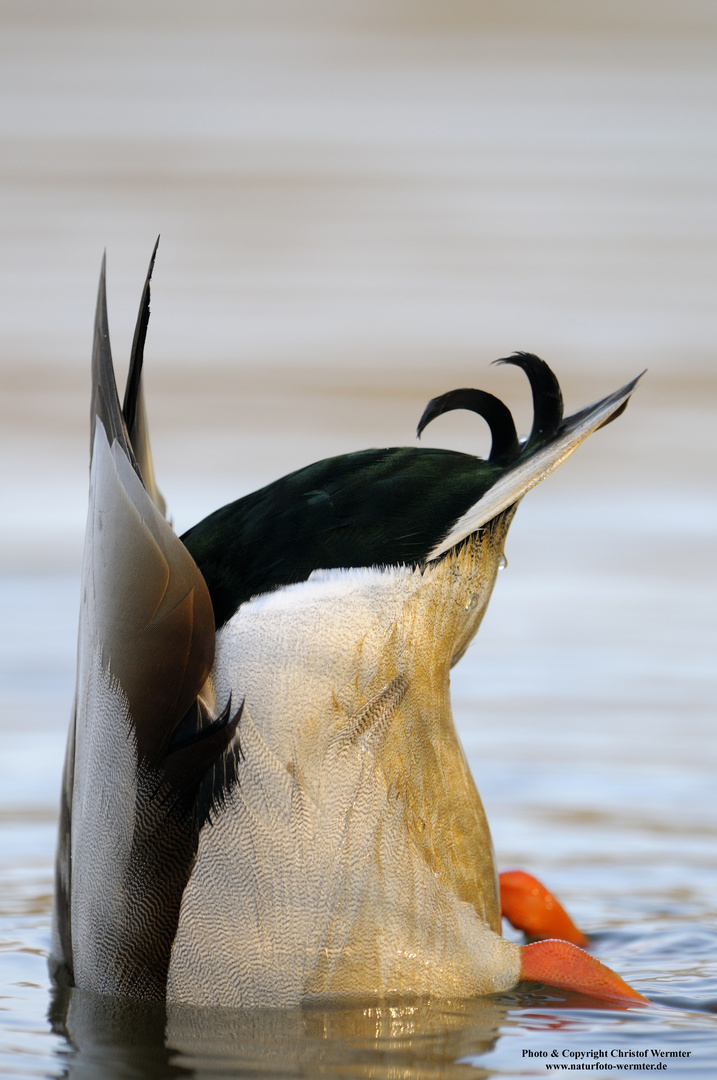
{"points": [[264, 798]]}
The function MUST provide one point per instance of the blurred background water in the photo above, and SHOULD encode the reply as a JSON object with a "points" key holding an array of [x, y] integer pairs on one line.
{"points": [[361, 205]]}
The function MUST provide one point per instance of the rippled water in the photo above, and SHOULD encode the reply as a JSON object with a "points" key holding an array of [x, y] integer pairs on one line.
{"points": [[361, 205]]}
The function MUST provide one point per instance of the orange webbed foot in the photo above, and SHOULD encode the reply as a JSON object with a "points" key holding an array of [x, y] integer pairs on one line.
{"points": [[529, 907], [559, 964]]}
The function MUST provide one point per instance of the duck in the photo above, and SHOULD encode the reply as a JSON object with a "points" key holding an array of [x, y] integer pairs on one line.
{"points": [[264, 799]]}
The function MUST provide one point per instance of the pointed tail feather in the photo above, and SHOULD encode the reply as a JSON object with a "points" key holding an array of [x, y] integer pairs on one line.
{"points": [[133, 406]]}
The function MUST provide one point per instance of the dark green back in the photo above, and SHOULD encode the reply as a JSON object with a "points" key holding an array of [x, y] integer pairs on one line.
{"points": [[373, 508]]}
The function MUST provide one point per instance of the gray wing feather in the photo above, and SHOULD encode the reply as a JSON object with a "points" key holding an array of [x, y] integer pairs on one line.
{"points": [[145, 650]]}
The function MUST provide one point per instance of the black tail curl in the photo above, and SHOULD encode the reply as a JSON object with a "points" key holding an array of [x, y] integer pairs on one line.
{"points": [[505, 445]]}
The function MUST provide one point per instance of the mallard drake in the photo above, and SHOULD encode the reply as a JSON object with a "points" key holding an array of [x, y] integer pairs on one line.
{"points": [[264, 798]]}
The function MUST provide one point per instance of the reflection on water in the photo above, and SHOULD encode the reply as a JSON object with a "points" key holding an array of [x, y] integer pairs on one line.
{"points": [[116, 1038], [417, 1039]]}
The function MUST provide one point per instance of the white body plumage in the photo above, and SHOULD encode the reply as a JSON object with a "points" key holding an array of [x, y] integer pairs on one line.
{"points": [[354, 852]]}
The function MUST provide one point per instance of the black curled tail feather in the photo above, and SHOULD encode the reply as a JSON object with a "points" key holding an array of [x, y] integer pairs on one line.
{"points": [[547, 397], [504, 446]]}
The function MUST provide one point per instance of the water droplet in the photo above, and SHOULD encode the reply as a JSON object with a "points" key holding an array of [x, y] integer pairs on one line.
{"points": [[472, 603], [503, 562]]}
